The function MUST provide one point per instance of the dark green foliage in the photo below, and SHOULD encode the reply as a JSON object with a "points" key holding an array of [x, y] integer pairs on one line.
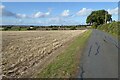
{"points": [[7, 28], [46, 29], [94, 25], [15, 28], [73, 28], [98, 17], [54, 28]]}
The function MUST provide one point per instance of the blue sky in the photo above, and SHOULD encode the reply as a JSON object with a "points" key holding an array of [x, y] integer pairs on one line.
{"points": [[52, 13]]}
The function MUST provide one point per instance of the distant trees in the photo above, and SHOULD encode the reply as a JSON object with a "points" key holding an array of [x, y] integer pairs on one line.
{"points": [[52, 27], [73, 28], [98, 17]]}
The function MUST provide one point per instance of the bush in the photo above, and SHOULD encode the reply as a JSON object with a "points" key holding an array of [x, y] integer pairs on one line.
{"points": [[23, 29], [94, 26], [73, 28], [7, 28], [54, 28], [15, 28]]}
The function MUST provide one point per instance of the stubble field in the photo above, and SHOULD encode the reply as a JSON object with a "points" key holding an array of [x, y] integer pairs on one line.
{"points": [[26, 52]]}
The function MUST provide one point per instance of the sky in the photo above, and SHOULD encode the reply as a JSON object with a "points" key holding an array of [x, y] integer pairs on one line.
{"points": [[52, 13]]}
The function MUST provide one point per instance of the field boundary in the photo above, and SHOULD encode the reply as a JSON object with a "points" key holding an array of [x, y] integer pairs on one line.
{"points": [[58, 67]]}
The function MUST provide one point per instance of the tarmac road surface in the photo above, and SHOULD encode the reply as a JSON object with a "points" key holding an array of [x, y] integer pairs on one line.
{"points": [[100, 57]]}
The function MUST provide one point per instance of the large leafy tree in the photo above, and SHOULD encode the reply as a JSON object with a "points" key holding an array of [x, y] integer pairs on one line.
{"points": [[99, 17]]}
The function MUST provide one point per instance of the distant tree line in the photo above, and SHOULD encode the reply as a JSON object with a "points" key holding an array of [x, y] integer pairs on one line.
{"points": [[52, 27]]}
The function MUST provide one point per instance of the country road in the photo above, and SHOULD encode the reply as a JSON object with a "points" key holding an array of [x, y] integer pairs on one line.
{"points": [[100, 57]]}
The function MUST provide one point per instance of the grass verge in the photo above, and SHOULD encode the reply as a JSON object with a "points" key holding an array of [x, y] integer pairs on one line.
{"points": [[111, 28], [67, 63]]}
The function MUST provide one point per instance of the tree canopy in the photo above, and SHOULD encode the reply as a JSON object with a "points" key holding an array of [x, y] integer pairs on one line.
{"points": [[99, 17]]}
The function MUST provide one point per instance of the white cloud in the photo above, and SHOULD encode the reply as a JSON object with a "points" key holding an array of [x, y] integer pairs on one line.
{"points": [[113, 11], [4, 12], [36, 15], [55, 20], [65, 13], [2, 7], [41, 14], [84, 11], [21, 16]]}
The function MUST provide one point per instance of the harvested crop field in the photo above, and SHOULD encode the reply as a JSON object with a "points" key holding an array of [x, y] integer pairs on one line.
{"points": [[26, 52]]}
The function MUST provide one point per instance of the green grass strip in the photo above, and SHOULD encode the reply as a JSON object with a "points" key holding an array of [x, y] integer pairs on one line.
{"points": [[66, 64]]}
